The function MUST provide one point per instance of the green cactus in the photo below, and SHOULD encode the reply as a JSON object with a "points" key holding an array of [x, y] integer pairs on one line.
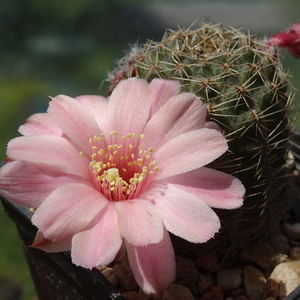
{"points": [[243, 84]]}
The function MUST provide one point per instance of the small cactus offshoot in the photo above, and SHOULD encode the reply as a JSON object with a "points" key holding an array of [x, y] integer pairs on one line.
{"points": [[246, 90]]}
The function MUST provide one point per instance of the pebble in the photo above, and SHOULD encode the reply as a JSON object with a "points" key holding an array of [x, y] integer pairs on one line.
{"points": [[280, 243], [237, 293], [292, 231], [130, 295], [280, 258], [177, 292], [229, 279], [295, 205], [186, 271], [287, 275], [203, 284], [215, 293], [295, 253], [262, 254], [255, 283], [208, 262], [272, 288], [143, 296], [125, 278], [110, 276]]}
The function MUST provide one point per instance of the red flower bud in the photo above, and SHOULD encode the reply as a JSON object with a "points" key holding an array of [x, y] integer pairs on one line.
{"points": [[289, 39]]}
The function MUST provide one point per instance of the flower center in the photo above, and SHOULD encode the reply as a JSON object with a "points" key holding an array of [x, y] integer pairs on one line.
{"points": [[121, 171]]}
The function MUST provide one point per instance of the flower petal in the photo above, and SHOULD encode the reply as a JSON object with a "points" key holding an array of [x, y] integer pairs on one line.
{"points": [[153, 265], [30, 184], [100, 243], [129, 107], [75, 121], [40, 242], [184, 214], [139, 222], [97, 106], [40, 124], [213, 125], [189, 151], [68, 210], [161, 91], [51, 150], [182, 113], [215, 188]]}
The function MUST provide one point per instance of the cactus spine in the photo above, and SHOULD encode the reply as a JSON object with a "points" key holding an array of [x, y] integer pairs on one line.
{"points": [[245, 88]]}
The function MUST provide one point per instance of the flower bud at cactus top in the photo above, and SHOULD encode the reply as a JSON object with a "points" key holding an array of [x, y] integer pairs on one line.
{"points": [[242, 82], [289, 39]]}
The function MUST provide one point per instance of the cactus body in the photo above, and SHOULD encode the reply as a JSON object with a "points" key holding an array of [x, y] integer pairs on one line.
{"points": [[243, 84]]}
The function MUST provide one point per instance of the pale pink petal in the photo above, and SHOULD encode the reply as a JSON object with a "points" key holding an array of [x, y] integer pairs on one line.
{"points": [[215, 188], [49, 149], [129, 107], [68, 210], [136, 217], [97, 106], [189, 151], [100, 242], [182, 113], [40, 124], [30, 184], [153, 265], [75, 120], [184, 214], [213, 125], [161, 91], [40, 242]]}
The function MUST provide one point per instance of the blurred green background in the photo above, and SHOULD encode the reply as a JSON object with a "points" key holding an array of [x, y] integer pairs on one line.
{"points": [[68, 47]]}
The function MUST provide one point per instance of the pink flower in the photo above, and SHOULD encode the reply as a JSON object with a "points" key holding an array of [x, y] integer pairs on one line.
{"points": [[289, 39], [128, 169]]}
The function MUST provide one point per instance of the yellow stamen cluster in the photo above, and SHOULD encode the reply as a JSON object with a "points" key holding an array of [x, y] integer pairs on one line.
{"points": [[120, 168]]}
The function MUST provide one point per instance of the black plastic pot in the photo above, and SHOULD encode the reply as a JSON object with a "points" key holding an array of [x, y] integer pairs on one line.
{"points": [[294, 295], [54, 274]]}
